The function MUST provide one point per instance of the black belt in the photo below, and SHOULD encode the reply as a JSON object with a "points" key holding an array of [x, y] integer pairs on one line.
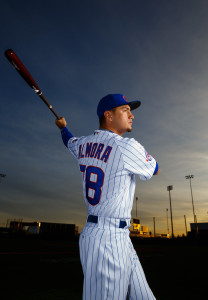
{"points": [[94, 219]]}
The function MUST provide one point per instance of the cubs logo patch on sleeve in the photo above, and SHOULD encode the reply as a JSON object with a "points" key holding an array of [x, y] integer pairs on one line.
{"points": [[148, 157]]}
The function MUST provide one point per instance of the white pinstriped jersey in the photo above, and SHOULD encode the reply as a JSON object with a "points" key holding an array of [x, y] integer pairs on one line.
{"points": [[109, 163]]}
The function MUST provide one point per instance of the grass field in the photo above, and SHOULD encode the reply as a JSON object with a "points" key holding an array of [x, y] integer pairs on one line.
{"points": [[37, 269]]}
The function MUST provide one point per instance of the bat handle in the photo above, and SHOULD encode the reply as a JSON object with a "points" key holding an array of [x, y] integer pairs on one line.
{"points": [[49, 106]]}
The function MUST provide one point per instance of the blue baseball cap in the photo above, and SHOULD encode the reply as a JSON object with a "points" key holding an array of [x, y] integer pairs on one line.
{"points": [[114, 100]]}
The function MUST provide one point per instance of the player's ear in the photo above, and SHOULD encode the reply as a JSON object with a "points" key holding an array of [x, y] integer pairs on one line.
{"points": [[108, 115]]}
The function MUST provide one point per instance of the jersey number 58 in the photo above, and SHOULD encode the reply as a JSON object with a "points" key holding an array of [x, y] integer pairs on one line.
{"points": [[94, 178]]}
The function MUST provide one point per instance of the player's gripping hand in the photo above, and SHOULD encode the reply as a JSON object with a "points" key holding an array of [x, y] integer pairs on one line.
{"points": [[61, 122]]}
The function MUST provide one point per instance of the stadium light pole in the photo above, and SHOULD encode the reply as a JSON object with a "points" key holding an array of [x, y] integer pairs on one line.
{"points": [[191, 177], [185, 225], [136, 206], [167, 221], [169, 188]]}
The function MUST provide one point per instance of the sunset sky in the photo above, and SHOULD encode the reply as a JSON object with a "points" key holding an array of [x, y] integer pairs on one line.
{"points": [[79, 51]]}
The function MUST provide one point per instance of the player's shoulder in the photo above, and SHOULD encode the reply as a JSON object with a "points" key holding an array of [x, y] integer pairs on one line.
{"points": [[115, 138], [75, 142], [111, 136], [127, 141], [128, 146]]}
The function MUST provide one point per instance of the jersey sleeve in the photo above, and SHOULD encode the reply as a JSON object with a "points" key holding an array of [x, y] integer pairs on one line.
{"points": [[70, 141], [73, 146], [137, 160], [66, 135]]}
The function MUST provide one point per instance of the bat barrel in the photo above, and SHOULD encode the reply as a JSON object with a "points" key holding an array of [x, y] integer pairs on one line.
{"points": [[21, 69]]}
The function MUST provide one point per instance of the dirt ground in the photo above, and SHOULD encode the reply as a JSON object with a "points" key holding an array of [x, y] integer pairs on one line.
{"points": [[49, 269]]}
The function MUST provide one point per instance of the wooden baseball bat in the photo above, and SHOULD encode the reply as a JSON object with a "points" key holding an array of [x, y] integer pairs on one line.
{"points": [[21, 69]]}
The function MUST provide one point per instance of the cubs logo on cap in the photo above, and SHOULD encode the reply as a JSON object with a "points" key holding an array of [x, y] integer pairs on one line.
{"points": [[114, 100]]}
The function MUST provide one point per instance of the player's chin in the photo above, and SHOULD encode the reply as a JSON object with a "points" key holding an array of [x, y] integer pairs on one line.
{"points": [[129, 129]]}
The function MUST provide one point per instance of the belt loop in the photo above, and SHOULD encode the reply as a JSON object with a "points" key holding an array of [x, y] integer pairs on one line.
{"points": [[122, 224], [92, 219]]}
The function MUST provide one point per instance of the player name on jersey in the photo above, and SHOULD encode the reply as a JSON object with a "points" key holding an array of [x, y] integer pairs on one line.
{"points": [[95, 150]]}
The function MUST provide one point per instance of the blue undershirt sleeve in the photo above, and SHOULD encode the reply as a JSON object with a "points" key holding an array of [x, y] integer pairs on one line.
{"points": [[156, 168], [66, 135]]}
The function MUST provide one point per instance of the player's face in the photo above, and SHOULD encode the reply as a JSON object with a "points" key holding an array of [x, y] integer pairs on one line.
{"points": [[122, 119]]}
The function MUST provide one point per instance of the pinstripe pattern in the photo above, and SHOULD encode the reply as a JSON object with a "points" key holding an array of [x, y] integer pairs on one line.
{"points": [[126, 160], [110, 264]]}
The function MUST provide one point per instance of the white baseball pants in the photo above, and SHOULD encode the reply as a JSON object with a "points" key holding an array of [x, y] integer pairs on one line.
{"points": [[110, 264]]}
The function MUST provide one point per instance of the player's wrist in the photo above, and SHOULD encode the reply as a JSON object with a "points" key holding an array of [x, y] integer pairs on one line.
{"points": [[61, 123], [61, 127]]}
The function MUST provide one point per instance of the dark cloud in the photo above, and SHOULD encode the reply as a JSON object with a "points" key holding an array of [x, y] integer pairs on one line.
{"points": [[78, 52]]}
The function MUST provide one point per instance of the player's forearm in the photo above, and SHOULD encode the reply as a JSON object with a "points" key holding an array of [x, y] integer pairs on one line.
{"points": [[66, 135]]}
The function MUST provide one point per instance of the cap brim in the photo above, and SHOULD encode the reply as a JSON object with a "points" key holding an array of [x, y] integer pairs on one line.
{"points": [[134, 104]]}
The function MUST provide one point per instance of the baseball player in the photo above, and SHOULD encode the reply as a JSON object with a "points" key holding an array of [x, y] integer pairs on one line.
{"points": [[108, 164]]}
